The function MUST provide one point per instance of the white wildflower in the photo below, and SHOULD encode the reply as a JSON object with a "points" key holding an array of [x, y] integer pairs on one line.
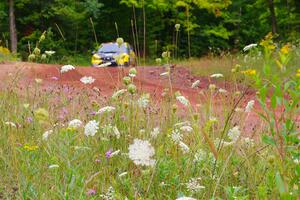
{"points": [[200, 156], [248, 47], [249, 106], [248, 142], [87, 80], [75, 124], [66, 68], [118, 93], [217, 75], [187, 129], [144, 101], [176, 136], [106, 109], [194, 185], [217, 141], [165, 74], [116, 132], [239, 109], [49, 53], [53, 166], [140, 152], [155, 132], [11, 124], [91, 128], [185, 148], [123, 174], [221, 90], [213, 120], [142, 131], [115, 153], [186, 198], [180, 124], [234, 134], [46, 134], [196, 84], [184, 101], [109, 195]]}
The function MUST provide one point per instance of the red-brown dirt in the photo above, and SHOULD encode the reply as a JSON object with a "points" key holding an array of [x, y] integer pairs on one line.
{"points": [[109, 79]]}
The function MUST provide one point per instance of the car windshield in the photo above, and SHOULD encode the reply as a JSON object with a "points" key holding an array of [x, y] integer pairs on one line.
{"points": [[112, 48]]}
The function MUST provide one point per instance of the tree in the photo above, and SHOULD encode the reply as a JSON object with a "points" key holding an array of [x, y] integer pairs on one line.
{"points": [[12, 27], [273, 16]]}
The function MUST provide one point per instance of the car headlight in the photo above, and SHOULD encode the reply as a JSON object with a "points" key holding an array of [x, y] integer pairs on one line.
{"points": [[96, 59]]}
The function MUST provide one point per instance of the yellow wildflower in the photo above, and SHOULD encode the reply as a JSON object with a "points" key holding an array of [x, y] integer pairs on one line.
{"points": [[267, 42], [285, 49], [298, 73], [4, 51], [30, 148], [250, 72]]}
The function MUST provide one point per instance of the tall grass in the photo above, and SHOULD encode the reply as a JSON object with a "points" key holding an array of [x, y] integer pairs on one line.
{"points": [[201, 149]]}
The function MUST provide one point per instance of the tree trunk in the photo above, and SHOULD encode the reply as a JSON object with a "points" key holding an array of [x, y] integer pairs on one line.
{"points": [[12, 27], [273, 16]]}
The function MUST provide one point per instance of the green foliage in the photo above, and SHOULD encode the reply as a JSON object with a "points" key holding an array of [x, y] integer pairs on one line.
{"points": [[211, 24]]}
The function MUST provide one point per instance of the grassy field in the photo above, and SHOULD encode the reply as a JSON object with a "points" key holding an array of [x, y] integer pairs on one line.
{"points": [[57, 146]]}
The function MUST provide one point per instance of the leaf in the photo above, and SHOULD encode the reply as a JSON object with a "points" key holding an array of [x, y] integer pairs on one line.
{"points": [[280, 183], [273, 101], [268, 140]]}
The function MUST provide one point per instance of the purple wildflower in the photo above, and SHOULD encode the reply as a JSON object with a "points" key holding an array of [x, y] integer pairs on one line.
{"points": [[29, 119], [91, 192], [108, 153]]}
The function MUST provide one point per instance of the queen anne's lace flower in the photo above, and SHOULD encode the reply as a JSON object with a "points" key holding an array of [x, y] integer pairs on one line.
{"points": [[249, 106], [196, 84], [66, 68], [217, 76], [155, 132], [106, 109], [186, 198], [46, 134], [184, 101], [200, 156], [187, 129], [140, 152], [222, 142], [221, 90], [91, 128], [75, 124], [116, 132], [248, 142], [144, 101], [184, 147], [234, 134], [176, 136], [53, 166], [248, 47], [194, 185], [11, 124], [87, 80], [49, 53]]}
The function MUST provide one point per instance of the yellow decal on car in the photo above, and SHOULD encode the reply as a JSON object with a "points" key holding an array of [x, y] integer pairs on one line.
{"points": [[96, 60]]}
